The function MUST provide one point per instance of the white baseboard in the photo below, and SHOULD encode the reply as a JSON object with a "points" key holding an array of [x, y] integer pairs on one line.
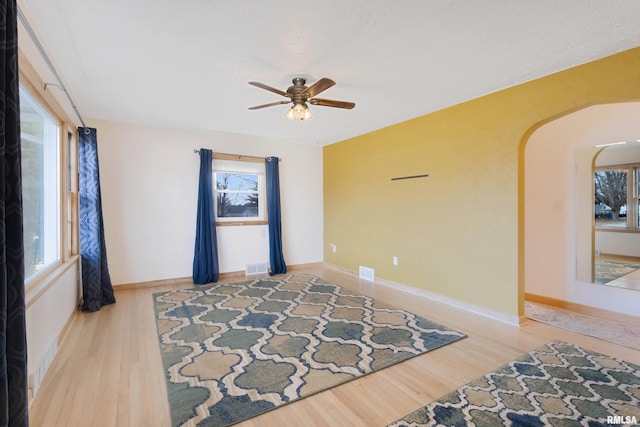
{"points": [[453, 302]]}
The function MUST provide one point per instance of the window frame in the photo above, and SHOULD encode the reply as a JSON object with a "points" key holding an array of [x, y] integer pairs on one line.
{"points": [[632, 209], [229, 163], [68, 215], [51, 200], [70, 183]]}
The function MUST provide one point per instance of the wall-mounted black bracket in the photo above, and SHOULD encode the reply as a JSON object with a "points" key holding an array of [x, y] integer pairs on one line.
{"points": [[410, 177]]}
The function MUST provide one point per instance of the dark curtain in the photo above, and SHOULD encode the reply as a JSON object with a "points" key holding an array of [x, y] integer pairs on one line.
{"points": [[205, 257], [276, 258], [96, 282], [13, 336]]}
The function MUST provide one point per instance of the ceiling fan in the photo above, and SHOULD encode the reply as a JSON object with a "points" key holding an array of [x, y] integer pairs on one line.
{"points": [[299, 95]]}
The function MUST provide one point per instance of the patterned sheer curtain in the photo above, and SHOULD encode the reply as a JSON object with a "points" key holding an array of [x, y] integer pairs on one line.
{"points": [[13, 336], [96, 281], [205, 256]]}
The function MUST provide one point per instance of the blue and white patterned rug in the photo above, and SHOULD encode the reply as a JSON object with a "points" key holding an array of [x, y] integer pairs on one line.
{"points": [[233, 351], [606, 271], [605, 329], [559, 384]]}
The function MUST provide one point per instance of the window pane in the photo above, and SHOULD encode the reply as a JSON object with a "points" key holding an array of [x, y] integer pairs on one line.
{"points": [[233, 205], [611, 198], [236, 182], [40, 178], [237, 195]]}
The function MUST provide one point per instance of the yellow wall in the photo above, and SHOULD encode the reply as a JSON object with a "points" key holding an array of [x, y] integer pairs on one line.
{"points": [[458, 232]]}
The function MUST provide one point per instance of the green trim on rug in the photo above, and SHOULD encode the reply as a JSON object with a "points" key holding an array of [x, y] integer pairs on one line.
{"points": [[558, 384], [233, 351]]}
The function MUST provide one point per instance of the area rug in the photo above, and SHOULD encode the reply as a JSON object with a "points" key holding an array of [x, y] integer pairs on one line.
{"points": [[558, 384], [606, 271], [233, 351], [605, 329]]}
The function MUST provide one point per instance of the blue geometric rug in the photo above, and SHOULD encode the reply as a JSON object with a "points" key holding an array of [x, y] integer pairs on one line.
{"points": [[559, 384], [233, 351]]}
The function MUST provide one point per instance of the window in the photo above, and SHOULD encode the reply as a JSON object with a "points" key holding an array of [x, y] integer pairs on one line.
{"points": [[40, 185], [239, 191], [617, 202]]}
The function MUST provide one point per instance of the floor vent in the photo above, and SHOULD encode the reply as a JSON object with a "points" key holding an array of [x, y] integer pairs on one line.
{"points": [[367, 273], [255, 268]]}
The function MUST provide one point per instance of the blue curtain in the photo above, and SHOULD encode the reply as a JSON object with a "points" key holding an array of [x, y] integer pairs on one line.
{"points": [[96, 281], [13, 335], [276, 258], [205, 256]]}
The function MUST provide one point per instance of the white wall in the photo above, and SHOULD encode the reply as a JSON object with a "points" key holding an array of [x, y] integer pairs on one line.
{"points": [[554, 220], [149, 180], [47, 315], [611, 242]]}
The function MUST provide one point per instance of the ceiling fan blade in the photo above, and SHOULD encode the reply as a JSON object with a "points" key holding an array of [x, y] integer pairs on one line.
{"points": [[271, 104], [319, 86], [270, 89], [332, 103]]}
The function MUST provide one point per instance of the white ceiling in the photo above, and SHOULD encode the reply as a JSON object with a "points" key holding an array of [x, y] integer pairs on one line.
{"points": [[186, 64]]}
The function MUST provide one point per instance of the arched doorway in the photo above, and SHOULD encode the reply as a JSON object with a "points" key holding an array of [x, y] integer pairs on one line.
{"points": [[557, 230]]}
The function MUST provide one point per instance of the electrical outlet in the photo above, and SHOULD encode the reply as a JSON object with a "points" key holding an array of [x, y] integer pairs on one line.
{"points": [[333, 247], [395, 260]]}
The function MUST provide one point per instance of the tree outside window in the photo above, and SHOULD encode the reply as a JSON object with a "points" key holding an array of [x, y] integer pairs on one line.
{"points": [[237, 195], [239, 190], [617, 205]]}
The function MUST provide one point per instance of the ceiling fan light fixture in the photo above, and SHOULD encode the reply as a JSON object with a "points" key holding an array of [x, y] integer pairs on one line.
{"points": [[299, 112], [300, 95], [307, 113], [289, 114]]}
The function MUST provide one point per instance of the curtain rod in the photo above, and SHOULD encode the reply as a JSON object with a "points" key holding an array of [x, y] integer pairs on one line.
{"points": [[227, 156], [44, 55]]}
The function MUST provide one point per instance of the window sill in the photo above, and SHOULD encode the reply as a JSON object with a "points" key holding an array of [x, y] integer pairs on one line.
{"points": [[618, 230], [228, 223]]}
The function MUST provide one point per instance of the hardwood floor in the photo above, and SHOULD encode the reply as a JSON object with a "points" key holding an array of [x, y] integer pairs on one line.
{"points": [[108, 371]]}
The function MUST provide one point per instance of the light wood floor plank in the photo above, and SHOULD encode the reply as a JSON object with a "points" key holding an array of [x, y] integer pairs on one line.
{"points": [[108, 371]]}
